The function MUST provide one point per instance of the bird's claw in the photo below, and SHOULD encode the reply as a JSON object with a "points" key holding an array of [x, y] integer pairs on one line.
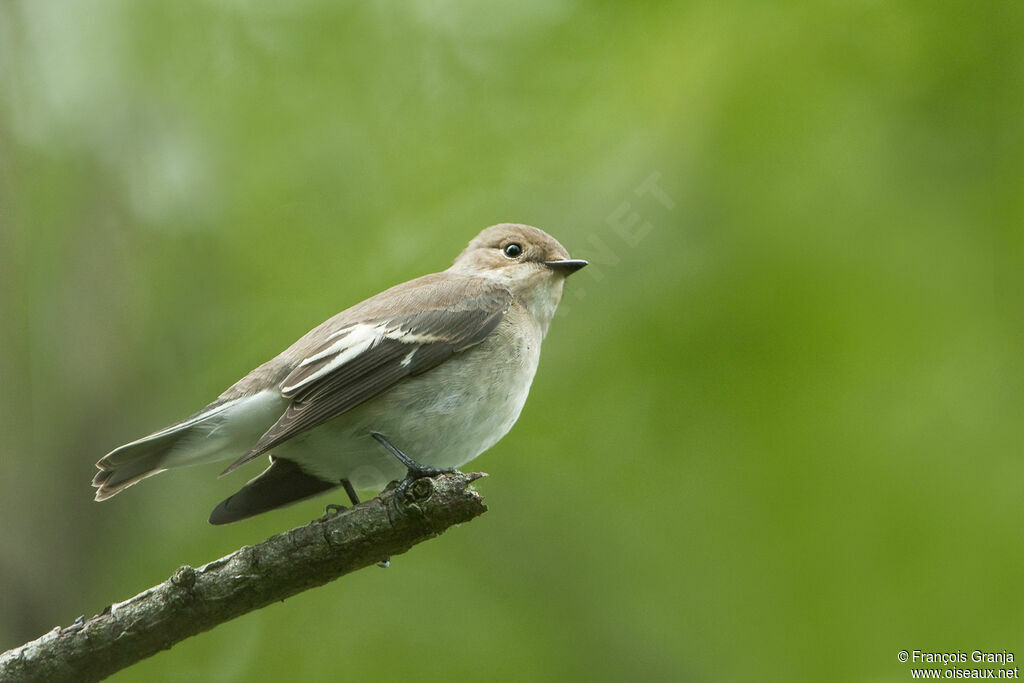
{"points": [[333, 509], [414, 474]]}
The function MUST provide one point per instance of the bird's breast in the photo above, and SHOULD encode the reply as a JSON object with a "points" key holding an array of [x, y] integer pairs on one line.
{"points": [[442, 418]]}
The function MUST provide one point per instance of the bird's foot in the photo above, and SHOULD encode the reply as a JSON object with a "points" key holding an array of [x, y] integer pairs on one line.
{"points": [[333, 509], [414, 470]]}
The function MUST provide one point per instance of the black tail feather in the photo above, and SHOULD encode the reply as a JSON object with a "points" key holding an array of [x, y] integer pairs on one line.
{"points": [[280, 484]]}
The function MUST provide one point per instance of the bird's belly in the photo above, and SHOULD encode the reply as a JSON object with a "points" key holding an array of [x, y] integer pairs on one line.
{"points": [[443, 418]]}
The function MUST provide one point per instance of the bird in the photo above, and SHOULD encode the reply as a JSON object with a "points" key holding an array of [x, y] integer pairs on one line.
{"points": [[419, 379]]}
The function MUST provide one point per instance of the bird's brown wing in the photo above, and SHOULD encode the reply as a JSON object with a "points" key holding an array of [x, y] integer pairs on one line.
{"points": [[364, 356]]}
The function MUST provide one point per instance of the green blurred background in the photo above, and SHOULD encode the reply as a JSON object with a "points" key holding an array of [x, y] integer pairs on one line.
{"points": [[775, 434]]}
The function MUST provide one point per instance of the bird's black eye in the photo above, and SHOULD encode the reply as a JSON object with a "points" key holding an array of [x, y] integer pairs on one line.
{"points": [[513, 250]]}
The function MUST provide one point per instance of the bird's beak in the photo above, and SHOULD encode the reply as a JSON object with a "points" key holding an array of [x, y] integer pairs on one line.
{"points": [[566, 266]]}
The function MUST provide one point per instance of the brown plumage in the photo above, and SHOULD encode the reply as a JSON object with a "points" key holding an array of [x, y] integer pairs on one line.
{"points": [[372, 368]]}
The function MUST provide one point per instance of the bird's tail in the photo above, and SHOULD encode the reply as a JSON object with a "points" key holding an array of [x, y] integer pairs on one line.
{"points": [[227, 428], [133, 462]]}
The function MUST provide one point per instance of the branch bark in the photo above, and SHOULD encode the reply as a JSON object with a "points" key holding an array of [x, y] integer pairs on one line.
{"points": [[195, 600]]}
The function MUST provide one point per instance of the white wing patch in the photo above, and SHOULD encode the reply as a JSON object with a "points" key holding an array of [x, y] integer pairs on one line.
{"points": [[351, 343], [407, 337], [358, 340], [334, 348], [358, 337]]}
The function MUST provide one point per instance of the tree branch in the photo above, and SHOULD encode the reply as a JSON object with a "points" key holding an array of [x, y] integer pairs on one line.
{"points": [[195, 600]]}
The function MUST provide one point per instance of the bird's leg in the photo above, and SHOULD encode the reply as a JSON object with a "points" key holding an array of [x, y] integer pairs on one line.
{"points": [[352, 496], [334, 508], [414, 470], [350, 491]]}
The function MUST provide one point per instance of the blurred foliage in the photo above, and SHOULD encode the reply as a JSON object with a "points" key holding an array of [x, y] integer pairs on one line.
{"points": [[775, 432]]}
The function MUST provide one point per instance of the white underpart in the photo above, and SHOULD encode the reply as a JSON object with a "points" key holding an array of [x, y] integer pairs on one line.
{"points": [[543, 300], [442, 418]]}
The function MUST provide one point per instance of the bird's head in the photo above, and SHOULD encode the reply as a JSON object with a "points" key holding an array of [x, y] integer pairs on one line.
{"points": [[530, 262]]}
